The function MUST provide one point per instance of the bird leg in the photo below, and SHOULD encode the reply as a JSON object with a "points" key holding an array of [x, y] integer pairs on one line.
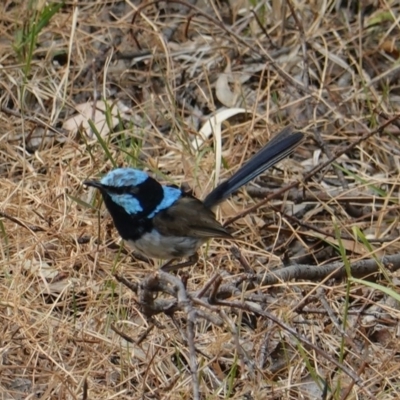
{"points": [[169, 267]]}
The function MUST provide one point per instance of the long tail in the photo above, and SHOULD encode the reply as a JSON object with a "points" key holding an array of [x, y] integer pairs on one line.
{"points": [[281, 146]]}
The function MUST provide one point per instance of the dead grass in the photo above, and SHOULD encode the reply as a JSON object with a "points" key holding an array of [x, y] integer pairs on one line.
{"points": [[332, 72]]}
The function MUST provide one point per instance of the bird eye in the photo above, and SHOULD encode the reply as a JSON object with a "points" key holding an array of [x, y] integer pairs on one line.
{"points": [[133, 190]]}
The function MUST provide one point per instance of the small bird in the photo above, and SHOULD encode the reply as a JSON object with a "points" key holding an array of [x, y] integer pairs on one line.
{"points": [[164, 222]]}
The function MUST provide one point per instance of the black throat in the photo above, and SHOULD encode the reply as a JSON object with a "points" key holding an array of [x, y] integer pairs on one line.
{"points": [[129, 227], [132, 226]]}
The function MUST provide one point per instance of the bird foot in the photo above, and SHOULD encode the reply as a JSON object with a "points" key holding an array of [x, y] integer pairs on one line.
{"points": [[169, 266]]}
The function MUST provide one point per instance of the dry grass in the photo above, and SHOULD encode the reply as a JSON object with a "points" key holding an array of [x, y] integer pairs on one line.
{"points": [[330, 71]]}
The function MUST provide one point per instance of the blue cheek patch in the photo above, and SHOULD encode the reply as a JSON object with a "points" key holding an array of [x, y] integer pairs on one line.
{"points": [[130, 204], [124, 177], [171, 195]]}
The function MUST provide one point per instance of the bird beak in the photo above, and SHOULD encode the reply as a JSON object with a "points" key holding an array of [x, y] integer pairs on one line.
{"points": [[95, 184]]}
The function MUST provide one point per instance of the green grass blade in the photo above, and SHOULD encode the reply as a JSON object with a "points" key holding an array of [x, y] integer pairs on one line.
{"points": [[102, 143]]}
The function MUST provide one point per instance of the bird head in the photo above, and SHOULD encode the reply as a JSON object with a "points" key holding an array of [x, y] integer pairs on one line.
{"points": [[123, 186], [134, 192]]}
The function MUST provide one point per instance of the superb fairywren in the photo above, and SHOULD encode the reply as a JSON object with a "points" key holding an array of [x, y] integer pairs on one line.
{"points": [[162, 221]]}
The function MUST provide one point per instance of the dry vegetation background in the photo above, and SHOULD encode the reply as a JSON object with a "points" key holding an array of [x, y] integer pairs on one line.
{"points": [[150, 75]]}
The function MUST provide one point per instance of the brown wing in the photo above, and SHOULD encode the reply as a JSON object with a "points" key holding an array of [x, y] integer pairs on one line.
{"points": [[189, 217]]}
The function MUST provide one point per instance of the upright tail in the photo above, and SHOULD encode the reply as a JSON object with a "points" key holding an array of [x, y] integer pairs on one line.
{"points": [[281, 146]]}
